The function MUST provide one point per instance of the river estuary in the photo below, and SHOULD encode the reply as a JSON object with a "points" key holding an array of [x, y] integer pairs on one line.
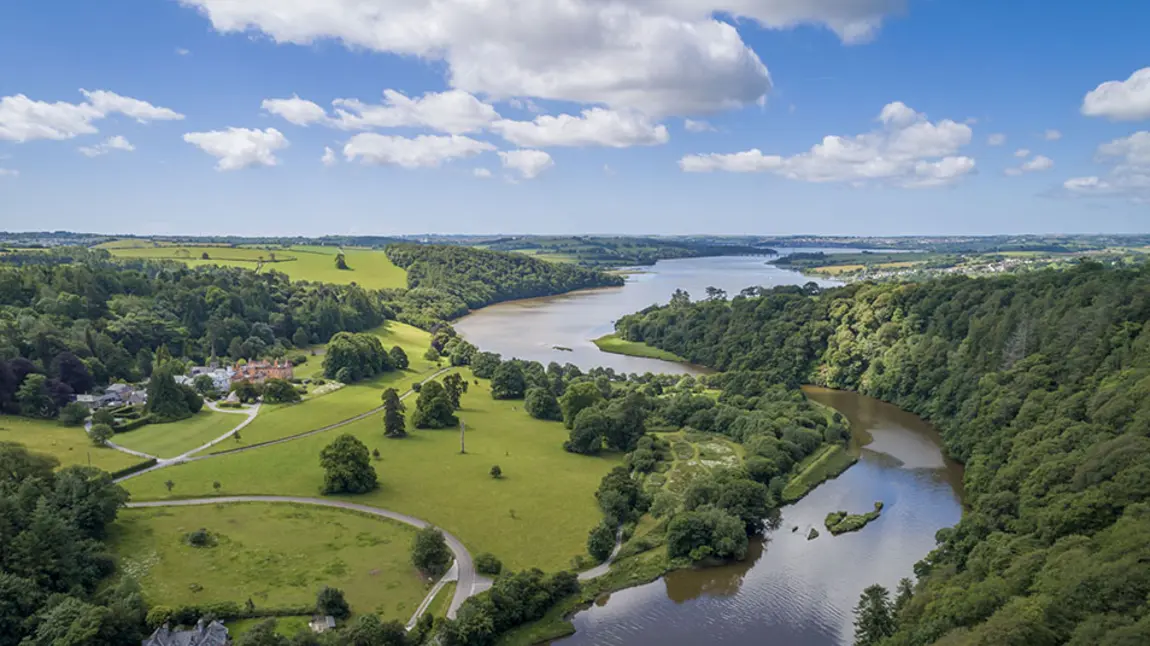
{"points": [[789, 591]]}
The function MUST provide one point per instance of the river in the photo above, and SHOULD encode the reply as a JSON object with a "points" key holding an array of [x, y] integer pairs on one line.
{"points": [[535, 328], [789, 591]]}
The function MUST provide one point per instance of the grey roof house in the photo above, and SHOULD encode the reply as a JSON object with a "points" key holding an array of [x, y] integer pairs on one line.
{"points": [[213, 634]]}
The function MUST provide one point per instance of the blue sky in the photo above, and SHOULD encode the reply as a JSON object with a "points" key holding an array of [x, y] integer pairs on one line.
{"points": [[212, 116]]}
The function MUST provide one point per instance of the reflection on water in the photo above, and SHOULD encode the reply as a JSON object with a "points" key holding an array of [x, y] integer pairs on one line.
{"points": [[537, 328], [791, 591]]}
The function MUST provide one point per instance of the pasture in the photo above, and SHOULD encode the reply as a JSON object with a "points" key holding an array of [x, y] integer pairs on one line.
{"points": [[68, 444]]}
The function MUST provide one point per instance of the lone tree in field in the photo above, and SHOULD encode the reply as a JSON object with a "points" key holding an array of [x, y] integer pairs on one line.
{"points": [[433, 409], [100, 434], [330, 601], [430, 553], [496, 472], [399, 358], [394, 424], [455, 386], [347, 466], [341, 262]]}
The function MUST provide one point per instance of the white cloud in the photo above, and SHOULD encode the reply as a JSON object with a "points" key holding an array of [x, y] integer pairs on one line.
{"points": [[1038, 163], [1127, 100], [481, 173], [595, 127], [9, 172], [996, 139], [23, 119], [525, 104], [295, 110], [238, 148], [1128, 177], [108, 145], [691, 125], [1022, 152], [454, 112], [908, 151], [329, 159], [142, 111], [1052, 135], [660, 57], [424, 151], [529, 163], [180, 51]]}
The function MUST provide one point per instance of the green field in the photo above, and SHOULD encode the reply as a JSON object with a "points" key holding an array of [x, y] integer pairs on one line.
{"points": [[281, 420], [550, 491], [826, 463], [277, 555], [369, 268], [286, 626], [176, 438], [69, 444], [442, 601], [612, 343]]}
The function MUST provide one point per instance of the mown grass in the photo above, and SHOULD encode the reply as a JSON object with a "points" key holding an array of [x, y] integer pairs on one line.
{"points": [[369, 268], [612, 343], [442, 600], [277, 555], [281, 420], [826, 463], [176, 438], [286, 626], [68, 444], [537, 515]]}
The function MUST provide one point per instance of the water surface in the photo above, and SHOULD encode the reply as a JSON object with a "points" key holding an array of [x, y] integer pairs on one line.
{"points": [[791, 591]]}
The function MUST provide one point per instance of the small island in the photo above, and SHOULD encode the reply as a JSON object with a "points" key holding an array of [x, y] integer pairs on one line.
{"points": [[839, 522]]}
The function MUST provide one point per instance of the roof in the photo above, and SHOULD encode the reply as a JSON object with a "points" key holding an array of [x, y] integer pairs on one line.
{"points": [[213, 634]]}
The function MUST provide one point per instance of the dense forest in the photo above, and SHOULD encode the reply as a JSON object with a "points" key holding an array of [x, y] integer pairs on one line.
{"points": [[1039, 384], [479, 277]]}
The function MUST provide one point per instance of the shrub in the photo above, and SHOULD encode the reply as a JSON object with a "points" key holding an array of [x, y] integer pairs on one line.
{"points": [[600, 542], [73, 414], [486, 563], [496, 472], [100, 434], [200, 538], [429, 552], [158, 616]]}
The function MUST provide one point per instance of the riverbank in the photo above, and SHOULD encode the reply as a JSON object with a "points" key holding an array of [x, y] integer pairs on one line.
{"points": [[614, 344]]}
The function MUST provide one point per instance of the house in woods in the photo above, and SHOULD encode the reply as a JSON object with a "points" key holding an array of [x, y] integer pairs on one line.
{"points": [[321, 624], [258, 371], [221, 377], [213, 634]]}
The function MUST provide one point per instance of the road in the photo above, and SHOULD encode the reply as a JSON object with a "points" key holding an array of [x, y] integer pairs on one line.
{"points": [[470, 583]]}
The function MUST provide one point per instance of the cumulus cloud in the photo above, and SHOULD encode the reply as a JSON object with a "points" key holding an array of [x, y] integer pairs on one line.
{"points": [[295, 110], [908, 150], [661, 57], [1052, 135], [180, 51], [1127, 100], [691, 125], [594, 127], [1022, 152], [1129, 176], [329, 159], [108, 145], [996, 139], [23, 119], [481, 173], [237, 148], [528, 163], [424, 151], [1037, 163]]}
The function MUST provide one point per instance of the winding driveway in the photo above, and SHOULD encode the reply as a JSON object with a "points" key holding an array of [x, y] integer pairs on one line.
{"points": [[470, 583]]}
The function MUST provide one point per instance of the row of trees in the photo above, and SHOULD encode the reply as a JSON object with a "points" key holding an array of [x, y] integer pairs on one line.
{"points": [[1038, 384]]}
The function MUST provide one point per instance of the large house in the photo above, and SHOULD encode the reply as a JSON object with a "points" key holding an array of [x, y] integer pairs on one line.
{"points": [[213, 634], [221, 377], [258, 371]]}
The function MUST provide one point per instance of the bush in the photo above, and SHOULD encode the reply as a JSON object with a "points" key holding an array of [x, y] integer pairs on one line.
{"points": [[200, 538], [133, 424], [600, 542], [486, 563], [158, 616], [429, 552], [103, 416], [100, 434], [330, 601], [496, 472], [73, 414]]}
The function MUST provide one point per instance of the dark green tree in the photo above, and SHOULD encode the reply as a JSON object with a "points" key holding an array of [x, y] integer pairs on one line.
{"points": [[347, 466], [429, 552], [399, 358], [433, 409], [454, 385], [578, 397], [874, 617], [508, 382], [394, 424], [541, 404], [587, 434], [330, 601], [483, 364], [73, 414], [600, 542], [280, 391]]}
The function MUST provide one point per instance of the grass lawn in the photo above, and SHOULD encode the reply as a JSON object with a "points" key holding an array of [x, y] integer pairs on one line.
{"points": [[176, 438], [275, 554], [612, 343], [826, 463], [369, 268], [550, 491], [442, 601], [281, 420], [286, 626], [69, 444]]}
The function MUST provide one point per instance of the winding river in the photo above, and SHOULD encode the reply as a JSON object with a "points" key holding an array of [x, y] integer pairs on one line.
{"points": [[789, 591]]}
